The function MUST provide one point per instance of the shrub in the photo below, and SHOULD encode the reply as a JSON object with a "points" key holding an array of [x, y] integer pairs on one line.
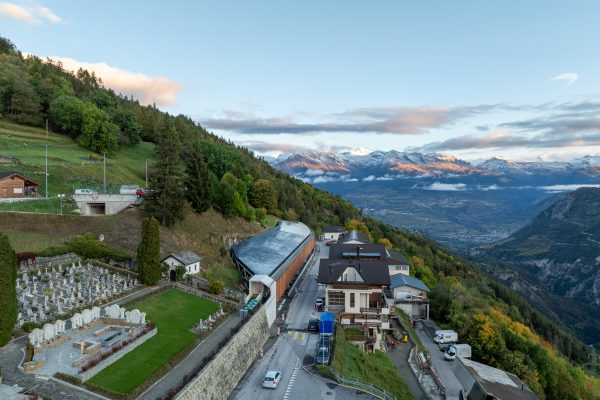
{"points": [[216, 287]]}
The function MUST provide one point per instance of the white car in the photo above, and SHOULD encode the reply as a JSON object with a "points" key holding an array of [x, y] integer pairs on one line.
{"points": [[84, 191], [272, 379]]}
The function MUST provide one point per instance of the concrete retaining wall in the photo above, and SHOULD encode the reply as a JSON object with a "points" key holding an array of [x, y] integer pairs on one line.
{"points": [[84, 376], [231, 362]]}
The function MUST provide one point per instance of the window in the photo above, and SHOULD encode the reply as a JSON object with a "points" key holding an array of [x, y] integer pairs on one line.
{"points": [[17, 190], [336, 299], [351, 299]]}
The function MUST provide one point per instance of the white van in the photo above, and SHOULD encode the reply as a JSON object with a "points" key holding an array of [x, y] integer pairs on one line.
{"points": [[445, 336]]}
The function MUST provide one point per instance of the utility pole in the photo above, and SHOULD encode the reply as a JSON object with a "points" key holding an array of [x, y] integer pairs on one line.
{"points": [[46, 171], [146, 187], [46, 127], [105, 173]]}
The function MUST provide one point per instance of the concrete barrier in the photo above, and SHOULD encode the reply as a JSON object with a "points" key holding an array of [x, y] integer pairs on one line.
{"points": [[219, 378]]}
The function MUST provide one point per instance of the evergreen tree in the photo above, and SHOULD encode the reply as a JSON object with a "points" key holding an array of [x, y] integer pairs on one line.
{"points": [[167, 197], [198, 184], [148, 252], [8, 291], [262, 194]]}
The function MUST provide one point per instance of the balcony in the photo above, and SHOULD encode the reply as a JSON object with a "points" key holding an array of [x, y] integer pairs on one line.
{"points": [[375, 310]]}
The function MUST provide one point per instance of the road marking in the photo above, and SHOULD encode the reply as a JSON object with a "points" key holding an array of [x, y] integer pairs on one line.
{"points": [[295, 335], [290, 386]]}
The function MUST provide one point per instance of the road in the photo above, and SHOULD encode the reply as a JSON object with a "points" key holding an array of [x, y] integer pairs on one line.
{"points": [[443, 367], [294, 346]]}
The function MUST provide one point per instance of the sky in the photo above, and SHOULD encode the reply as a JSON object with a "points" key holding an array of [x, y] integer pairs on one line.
{"points": [[475, 79]]}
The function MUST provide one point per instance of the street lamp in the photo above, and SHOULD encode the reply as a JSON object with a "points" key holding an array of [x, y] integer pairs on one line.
{"points": [[61, 196]]}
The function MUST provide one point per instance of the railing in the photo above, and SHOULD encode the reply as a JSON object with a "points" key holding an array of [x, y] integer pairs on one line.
{"points": [[374, 390]]}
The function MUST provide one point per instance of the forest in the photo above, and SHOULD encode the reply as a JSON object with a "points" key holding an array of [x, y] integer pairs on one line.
{"points": [[197, 167]]}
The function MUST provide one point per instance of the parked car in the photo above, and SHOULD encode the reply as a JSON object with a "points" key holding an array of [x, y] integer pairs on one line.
{"points": [[84, 191], [313, 325], [322, 356], [324, 342], [320, 303], [457, 350], [272, 379]]}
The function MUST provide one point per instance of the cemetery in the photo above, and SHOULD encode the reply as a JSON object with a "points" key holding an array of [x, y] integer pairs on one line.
{"points": [[51, 293], [95, 338]]}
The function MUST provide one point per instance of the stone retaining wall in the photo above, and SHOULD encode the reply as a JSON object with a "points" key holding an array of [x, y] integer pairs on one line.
{"points": [[84, 376], [232, 361]]}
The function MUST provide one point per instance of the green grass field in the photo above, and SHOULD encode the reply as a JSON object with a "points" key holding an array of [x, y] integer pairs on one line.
{"points": [[70, 166], [373, 368], [174, 313]]}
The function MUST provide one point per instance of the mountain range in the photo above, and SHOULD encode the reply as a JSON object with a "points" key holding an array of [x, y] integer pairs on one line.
{"points": [[321, 167], [457, 203]]}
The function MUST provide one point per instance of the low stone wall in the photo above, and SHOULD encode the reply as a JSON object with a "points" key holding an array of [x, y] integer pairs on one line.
{"points": [[231, 362], [84, 376]]}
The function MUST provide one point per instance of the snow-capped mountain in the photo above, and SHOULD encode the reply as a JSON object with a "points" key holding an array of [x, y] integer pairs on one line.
{"points": [[376, 163], [362, 164]]}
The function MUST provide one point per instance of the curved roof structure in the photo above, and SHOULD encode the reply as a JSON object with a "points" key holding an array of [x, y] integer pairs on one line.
{"points": [[271, 252]]}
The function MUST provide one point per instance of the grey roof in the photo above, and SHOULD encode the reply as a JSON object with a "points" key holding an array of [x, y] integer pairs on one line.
{"points": [[355, 235], [373, 272], [186, 257], [404, 280], [398, 257], [339, 251], [270, 252], [497, 383], [333, 229]]}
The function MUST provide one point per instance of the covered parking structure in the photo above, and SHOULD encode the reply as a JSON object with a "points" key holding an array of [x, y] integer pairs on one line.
{"points": [[279, 253]]}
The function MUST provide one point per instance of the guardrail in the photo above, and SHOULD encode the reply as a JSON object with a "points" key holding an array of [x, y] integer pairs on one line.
{"points": [[374, 390]]}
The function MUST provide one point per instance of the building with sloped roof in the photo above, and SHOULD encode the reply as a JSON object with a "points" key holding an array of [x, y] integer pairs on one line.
{"points": [[333, 232], [354, 292], [410, 294], [483, 382], [183, 258], [354, 237], [14, 185], [279, 253]]}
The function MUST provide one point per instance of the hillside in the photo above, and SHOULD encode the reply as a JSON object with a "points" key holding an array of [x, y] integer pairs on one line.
{"points": [[559, 252], [504, 330]]}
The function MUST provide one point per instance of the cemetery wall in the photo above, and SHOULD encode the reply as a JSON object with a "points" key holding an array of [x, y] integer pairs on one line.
{"points": [[64, 259], [232, 361], [84, 376]]}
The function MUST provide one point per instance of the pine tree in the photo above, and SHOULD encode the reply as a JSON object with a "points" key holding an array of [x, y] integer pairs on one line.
{"points": [[148, 252], [199, 186], [8, 291], [166, 198]]}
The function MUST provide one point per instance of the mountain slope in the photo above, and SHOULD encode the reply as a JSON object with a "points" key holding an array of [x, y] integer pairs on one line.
{"points": [[559, 250]]}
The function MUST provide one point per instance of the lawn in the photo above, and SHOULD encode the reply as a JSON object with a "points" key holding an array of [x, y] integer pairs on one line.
{"points": [[174, 313], [405, 321], [43, 206], [70, 166], [373, 368]]}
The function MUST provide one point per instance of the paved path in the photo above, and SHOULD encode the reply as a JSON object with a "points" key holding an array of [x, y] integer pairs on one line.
{"points": [[187, 365]]}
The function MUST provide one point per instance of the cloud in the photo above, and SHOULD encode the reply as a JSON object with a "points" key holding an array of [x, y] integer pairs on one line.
{"points": [[395, 120], [32, 15], [565, 188], [448, 187], [570, 77], [147, 89], [369, 178], [313, 172], [279, 148]]}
